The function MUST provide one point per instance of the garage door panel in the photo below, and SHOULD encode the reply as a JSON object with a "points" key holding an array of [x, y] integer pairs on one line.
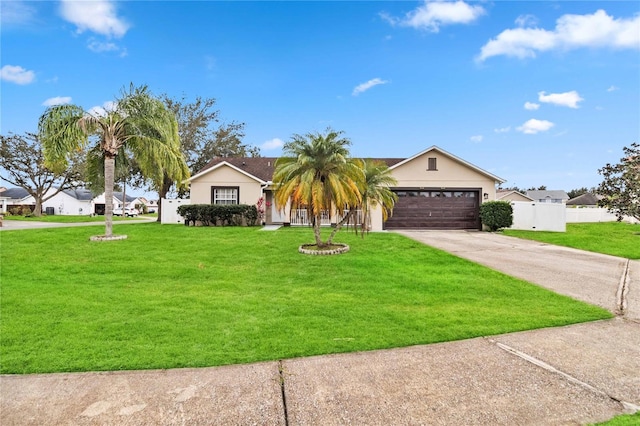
{"points": [[435, 209]]}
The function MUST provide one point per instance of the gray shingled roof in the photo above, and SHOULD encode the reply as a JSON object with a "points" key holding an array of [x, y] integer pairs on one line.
{"points": [[118, 195], [552, 194], [15, 193], [79, 194], [586, 199]]}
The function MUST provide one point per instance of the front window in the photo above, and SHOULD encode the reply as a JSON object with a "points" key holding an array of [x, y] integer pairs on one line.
{"points": [[224, 195]]}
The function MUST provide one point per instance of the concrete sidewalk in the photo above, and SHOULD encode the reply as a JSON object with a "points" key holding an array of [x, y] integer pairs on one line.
{"points": [[568, 375]]}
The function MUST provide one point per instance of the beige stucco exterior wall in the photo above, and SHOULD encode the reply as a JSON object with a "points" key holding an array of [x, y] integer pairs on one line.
{"points": [[250, 189]]}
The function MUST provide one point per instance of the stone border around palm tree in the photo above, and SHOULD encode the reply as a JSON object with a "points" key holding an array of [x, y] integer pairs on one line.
{"points": [[334, 248], [107, 237]]}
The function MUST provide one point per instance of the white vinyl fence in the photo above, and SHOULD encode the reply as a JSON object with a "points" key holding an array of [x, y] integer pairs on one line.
{"points": [[532, 216], [169, 210], [596, 214]]}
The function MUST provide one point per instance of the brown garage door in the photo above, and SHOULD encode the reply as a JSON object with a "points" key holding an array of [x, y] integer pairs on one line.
{"points": [[435, 209]]}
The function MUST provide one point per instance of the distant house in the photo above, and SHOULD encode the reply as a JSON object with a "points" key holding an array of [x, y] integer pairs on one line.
{"points": [[511, 195], [69, 202], [152, 205], [15, 198], [586, 200], [99, 202], [552, 196], [66, 202]]}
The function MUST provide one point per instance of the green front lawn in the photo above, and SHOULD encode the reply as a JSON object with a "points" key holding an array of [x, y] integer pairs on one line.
{"points": [[614, 238], [174, 296]]}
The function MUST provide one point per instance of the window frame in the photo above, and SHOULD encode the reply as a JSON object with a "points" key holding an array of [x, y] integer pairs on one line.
{"points": [[213, 195]]}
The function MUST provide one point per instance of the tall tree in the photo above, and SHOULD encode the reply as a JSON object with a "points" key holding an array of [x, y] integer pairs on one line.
{"points": [[316, 173], [621, 185], [203, 136], [139, 121], [22, 159]]}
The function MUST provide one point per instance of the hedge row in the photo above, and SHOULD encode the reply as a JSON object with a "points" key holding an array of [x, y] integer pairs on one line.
{"points": [[219, 215]]}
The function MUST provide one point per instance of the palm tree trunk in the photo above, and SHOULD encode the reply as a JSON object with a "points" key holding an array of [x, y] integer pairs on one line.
{"points": [[344, 220], [109, 171], [316, 231]]}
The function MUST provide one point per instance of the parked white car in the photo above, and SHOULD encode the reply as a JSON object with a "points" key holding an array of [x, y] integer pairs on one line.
{"points": [[127, 212]]}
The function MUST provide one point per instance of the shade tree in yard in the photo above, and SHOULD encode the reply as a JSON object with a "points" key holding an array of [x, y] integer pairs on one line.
{"points": [[23, 164]]}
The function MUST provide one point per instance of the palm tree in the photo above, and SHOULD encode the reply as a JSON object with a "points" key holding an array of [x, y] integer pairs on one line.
{"points": [[375, 191], [138, 122], [317, 174]]}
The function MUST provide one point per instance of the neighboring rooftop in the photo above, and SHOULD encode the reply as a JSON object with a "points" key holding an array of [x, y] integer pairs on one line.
{"points": [[586, 199], [558, 194]]}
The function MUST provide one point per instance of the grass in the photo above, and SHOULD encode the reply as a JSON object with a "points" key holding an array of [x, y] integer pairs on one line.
{"points": [[613, 238], [622, 420], [173, 296], [70, 218]]}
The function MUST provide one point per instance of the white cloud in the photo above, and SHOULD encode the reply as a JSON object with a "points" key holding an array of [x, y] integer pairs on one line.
{"points": [[571, 32], [476, 138], [17, 13], [612, 89], [533, 126], [434, 14], [526, 21], [101, 111], [568, 99], [503, 129], [58, 100], [101, 46], [271, 144], [368, 85], [98, 16], [531, 106], [16, 74]]}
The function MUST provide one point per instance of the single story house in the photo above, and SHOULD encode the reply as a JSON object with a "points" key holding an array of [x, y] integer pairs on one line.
{"points": [[13, 198], [66, 202], [511, 195], [436, 190], [548, 196]]}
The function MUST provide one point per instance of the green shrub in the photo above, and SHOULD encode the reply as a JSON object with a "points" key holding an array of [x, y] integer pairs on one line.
{"points": [[217, 214], [496, 214]]}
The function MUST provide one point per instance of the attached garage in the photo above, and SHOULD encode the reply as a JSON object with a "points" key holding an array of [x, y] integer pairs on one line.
{"points": [[435, 209]]}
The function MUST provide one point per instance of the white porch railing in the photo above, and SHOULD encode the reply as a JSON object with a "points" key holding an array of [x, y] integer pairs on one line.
{"points": [[300, 217]]}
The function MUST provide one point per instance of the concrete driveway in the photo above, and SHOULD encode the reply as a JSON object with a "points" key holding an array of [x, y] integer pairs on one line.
{"points": [[577, 374]]}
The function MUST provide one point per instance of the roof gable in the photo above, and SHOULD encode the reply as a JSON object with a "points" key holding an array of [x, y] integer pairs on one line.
{"points": [[452, 157], [259, 168]]}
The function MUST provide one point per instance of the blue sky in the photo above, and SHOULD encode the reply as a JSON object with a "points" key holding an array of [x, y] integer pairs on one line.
{"points": [[538, 93]]}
